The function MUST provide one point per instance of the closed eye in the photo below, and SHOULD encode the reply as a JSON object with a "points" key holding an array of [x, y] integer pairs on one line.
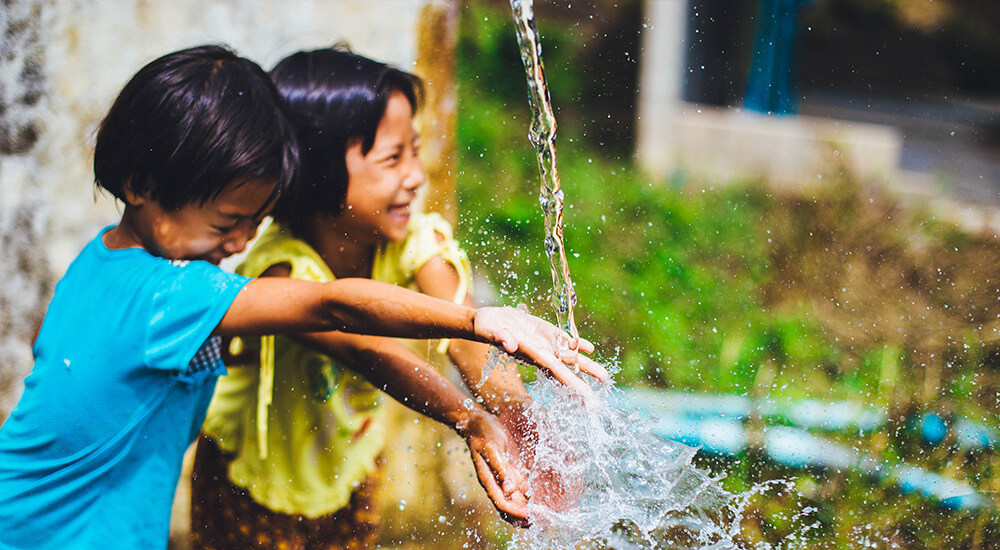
{"points": [[224, 229], [393, 156]]}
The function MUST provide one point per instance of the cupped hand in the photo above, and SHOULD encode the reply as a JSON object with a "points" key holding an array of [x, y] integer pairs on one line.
{"points": [[540, 343], [494, 454], [551, 489]]}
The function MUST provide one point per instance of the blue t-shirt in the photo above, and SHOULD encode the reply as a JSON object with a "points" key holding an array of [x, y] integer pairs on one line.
{"points": [[90, 456]]}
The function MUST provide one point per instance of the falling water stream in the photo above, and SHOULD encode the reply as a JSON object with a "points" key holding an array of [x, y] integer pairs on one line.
{"points": [[542, 136], [600, 477]]}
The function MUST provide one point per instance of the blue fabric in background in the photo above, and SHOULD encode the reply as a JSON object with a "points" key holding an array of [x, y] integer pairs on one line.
{"points": [[773, 85]]}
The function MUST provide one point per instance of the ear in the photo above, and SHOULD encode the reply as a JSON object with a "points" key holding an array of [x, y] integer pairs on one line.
{"points": [[131, 197]]}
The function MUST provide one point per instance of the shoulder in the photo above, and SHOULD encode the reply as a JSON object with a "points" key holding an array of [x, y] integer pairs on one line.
{"points": [[130, 270], [430, 235], [277, 246], [432, 224]]}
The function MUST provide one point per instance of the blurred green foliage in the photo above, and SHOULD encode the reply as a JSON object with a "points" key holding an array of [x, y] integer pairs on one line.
{"points": [[836, 292], [671, 280]]}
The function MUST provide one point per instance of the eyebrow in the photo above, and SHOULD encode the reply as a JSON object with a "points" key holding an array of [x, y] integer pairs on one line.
{"points": [[238, 217], [389, 149]]}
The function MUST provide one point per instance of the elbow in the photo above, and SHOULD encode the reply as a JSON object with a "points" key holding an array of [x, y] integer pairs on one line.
{"points": [[333, 314]]}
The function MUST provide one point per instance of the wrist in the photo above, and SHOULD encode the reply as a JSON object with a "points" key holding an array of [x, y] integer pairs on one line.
{"points": [[466, 419], [504, 400], [472, 316]]}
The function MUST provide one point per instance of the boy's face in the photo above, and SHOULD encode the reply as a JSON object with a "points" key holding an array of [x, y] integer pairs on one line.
{"points": [[212, 231], [383, 183]]}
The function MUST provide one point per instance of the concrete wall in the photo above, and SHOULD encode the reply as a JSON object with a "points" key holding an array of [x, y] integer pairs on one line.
{"points": [[61, 65], [716, 144]]}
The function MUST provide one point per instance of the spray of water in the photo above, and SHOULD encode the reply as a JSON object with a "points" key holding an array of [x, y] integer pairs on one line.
{"points": [[602, 479]]}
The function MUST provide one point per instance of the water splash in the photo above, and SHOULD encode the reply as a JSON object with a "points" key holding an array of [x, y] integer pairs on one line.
{"points": [[542, 135], [602, 479]]}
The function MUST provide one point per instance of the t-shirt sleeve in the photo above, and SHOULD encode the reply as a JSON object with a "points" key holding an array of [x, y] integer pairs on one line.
{"points": [[185, 310]]}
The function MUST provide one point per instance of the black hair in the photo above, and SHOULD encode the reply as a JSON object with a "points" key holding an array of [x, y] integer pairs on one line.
{"points": [[192, 122], [337, 98]]}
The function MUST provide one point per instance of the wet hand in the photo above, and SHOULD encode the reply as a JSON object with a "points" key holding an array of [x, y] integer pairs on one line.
{"points": [[540, 343], [549, 488], [494, 456]]}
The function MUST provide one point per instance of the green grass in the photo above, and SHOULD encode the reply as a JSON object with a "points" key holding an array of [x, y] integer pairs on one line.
{"points": [[837, 293]]}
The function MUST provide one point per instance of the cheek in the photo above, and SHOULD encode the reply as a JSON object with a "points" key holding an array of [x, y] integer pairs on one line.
{"points": [[188, 241], [204, 243], [363, 201]]}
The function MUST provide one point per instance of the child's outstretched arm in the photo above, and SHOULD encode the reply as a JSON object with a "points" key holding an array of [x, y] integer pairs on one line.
{"points": [[502, 391], [395, 369], [275, 305]]}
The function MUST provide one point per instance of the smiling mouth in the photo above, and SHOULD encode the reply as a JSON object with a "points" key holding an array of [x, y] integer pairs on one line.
{"points": [[399, 210]]}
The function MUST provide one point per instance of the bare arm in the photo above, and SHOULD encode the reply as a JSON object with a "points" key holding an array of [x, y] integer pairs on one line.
{"points": [[503, 389], [278, 305], [395, 369]]}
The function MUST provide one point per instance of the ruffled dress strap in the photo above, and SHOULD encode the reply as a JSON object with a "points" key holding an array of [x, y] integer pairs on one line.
{"points": [[429, 235]]}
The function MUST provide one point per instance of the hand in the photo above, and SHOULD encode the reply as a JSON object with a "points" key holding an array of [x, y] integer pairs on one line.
{"points": [[549, 488], [494, 455], [540, 343]]}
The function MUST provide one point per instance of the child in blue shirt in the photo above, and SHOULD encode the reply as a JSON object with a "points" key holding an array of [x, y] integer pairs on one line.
{"points": [[198, 148]]}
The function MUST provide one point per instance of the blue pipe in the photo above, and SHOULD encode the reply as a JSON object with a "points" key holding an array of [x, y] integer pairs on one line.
{"points": [[805, 413], [933, 428], [715, 424]]}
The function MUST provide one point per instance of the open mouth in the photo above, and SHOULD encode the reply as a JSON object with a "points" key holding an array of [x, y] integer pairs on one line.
{"points": [[399, 210]]}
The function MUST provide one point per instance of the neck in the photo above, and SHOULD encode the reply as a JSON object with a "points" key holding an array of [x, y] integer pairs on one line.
{"points": [[345, 254], [123, 235]]}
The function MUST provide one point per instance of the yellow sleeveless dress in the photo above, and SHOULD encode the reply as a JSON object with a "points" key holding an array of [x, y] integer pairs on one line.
{"points": [[305, 431]]}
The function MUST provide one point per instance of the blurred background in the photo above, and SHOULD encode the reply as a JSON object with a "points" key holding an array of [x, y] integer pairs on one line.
{"points": [[781, 213], [778, 212]]}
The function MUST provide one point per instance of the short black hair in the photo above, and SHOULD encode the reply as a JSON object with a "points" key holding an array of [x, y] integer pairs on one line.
{"points": [[192, 122], [337, 98]]}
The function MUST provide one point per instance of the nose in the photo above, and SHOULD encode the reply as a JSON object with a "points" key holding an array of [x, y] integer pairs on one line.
{"points": [[235, 245], [243, 234], [415, 176]]}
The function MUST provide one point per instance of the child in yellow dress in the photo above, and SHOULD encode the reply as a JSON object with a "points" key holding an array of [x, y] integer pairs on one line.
{"points": [[297, 443]]}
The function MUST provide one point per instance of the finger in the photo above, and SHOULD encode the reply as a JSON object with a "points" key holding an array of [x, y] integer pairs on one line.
{"points": [[593, 368], [508, 341], [557, 370], [568, 356], [507, 469], [487, 478], [584, 345], [513, 509], [505, 474], [541, 354]]}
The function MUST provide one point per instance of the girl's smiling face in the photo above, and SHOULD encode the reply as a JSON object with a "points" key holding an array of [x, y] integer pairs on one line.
{"points": [[383, 183]]}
